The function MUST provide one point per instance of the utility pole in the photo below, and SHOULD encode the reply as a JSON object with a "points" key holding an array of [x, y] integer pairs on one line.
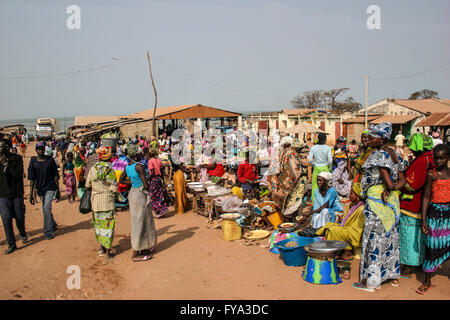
{"points": [[367, 95], [155, 129]]}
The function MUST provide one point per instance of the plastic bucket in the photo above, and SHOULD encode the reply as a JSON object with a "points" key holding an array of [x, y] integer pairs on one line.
{"points": [[231, 230], [294, 256], [321, 272]]}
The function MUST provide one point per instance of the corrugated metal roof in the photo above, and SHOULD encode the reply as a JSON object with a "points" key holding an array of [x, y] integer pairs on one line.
{"points": [[394, 119], [425, 105], [85, 120], [435, 119], [298, 111], [162, 111], [360, 119]]}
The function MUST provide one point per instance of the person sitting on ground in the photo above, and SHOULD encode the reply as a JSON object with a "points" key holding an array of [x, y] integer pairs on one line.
{"points": [[228, 179], [215, 169], [325, 203], [351, 227], [247, 174]]}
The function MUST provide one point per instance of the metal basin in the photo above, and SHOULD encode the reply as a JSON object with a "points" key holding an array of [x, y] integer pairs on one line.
{"points": [[325, 248]]}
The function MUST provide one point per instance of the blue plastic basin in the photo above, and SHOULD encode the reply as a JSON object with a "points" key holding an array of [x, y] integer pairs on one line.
{"points": [[294, 256]]}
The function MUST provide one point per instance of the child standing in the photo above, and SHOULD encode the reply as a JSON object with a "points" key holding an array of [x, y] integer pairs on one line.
{"points": [[436, 215]]}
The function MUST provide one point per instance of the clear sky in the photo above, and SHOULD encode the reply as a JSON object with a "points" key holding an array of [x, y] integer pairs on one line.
{"points": [[240, 55]]}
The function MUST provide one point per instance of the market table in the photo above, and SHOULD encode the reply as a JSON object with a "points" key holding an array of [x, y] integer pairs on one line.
{"points": [[197, 198]]}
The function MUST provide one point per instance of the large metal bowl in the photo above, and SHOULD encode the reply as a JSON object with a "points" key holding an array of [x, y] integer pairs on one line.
{"points": [[327, 246]]}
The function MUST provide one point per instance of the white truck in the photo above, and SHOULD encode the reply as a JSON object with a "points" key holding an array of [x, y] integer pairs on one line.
{"points": [[45, 128]]}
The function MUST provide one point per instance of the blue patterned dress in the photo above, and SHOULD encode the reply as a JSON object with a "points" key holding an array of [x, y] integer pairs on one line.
{"points": [[380, 252]]}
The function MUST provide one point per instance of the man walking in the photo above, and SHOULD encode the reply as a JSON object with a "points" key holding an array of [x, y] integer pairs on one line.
{"points": [[44, 178], [399, 140], [11, 194]]}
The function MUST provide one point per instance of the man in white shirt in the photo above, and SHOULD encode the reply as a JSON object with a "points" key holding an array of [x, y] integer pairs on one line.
{"points": [[399, 139]]}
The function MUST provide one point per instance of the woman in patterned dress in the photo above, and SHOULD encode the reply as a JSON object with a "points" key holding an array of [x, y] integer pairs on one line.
{"points": [[382, 180], [436, 215], [102, 180], [157, 187]]}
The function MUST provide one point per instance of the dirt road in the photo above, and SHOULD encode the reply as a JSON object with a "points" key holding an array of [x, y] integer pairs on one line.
{"points": [[191, 262]]}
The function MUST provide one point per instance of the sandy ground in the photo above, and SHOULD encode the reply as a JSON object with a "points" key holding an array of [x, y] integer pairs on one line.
{"points": [[191, 262]]}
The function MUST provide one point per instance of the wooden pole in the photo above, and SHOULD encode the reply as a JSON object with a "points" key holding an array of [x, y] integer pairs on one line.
{"points": [[367, 96], [155, 130]]}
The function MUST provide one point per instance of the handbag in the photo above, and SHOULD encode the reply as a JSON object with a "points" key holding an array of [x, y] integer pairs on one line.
{"points": [[85, 202]]}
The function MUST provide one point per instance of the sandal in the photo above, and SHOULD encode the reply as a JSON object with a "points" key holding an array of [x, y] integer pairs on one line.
{"points": [[144, 258], [394, 283], [360, 286], [422, 289]]}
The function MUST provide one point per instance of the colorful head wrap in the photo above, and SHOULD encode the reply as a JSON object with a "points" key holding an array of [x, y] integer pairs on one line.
{"points": [[133, 150], [420, 142], [286, 140], [104, 153], [381, 130], [153, 151], [298, 144], [40, 144]]}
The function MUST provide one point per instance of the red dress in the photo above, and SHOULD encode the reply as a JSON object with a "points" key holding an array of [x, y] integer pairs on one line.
{"points": [[415, 178]]}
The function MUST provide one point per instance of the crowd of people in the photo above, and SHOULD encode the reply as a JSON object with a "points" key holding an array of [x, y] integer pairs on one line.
{"points": [[389, 204]]}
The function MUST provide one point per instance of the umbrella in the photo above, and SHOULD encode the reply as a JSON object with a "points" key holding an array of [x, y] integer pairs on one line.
{"points": [[303, 128]]}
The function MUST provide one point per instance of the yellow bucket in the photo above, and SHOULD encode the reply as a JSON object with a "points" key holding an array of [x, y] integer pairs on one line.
{"points": [[231, 230], [275, 219]]}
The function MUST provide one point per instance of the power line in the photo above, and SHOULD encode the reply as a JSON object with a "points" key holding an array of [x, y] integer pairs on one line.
{"points": [[215, 84], [412, 74], [62, 73]]}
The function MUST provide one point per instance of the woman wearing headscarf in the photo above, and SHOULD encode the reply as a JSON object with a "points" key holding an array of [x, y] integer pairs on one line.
{"points": [[412, 240], [320, 157], [289, 171], [350, 229], [80, 167], [382, 180], [179, 184], [357, 171], [102, 180], [325, 203], [143, 231]]}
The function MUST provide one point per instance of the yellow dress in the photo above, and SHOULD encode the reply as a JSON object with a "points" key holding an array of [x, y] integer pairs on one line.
{"points": [[179, 183], [350, 232]]}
